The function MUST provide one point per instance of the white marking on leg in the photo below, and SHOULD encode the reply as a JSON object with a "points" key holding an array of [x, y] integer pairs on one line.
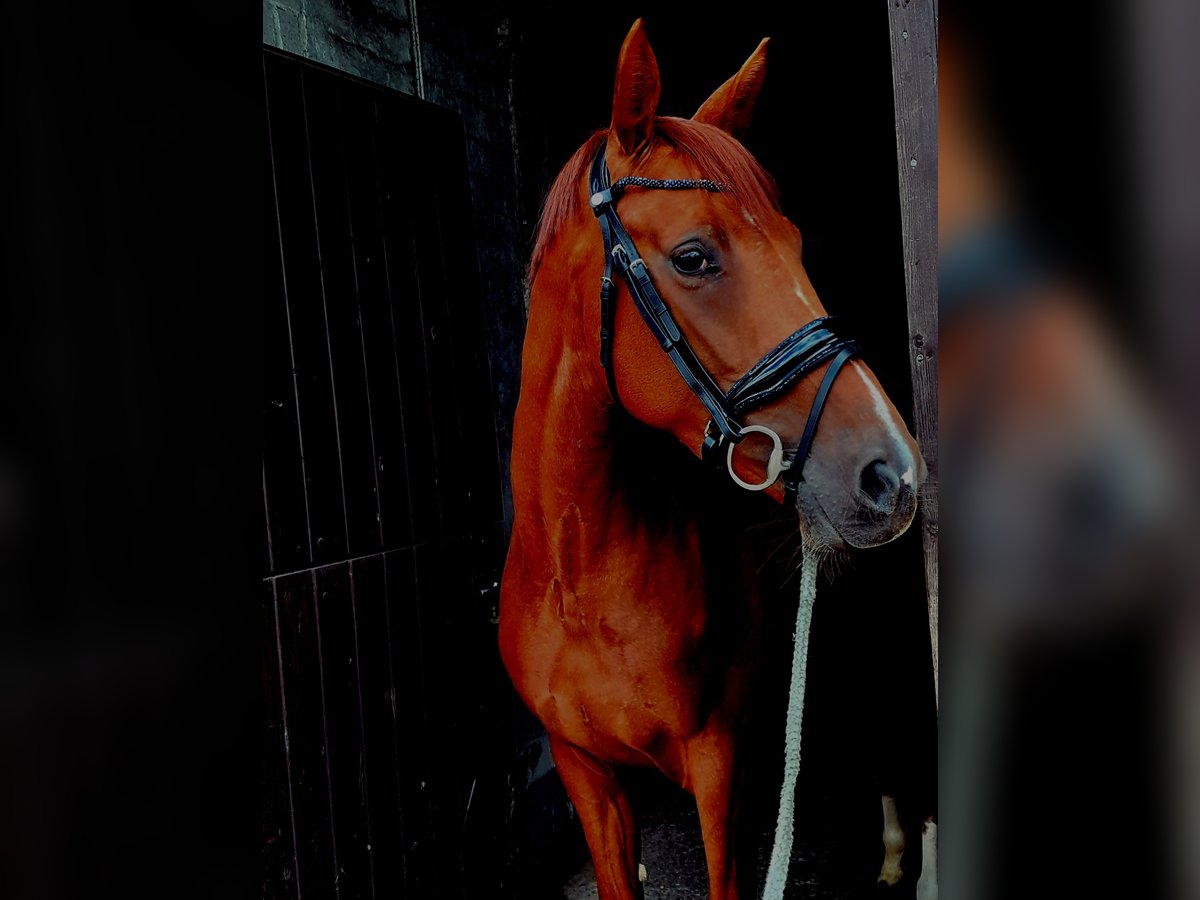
{"points": [[927, 884], [642, 874], [890, 421], [893, 843]]}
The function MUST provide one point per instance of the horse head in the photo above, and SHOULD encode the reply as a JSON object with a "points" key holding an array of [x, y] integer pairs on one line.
{"points": [[726, 263]]}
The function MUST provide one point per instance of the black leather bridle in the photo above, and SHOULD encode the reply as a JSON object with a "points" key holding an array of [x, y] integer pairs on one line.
{"points": [[799, 354]]}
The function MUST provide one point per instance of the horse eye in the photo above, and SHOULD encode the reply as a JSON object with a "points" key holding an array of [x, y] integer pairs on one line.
{"points": [[692, 261]]}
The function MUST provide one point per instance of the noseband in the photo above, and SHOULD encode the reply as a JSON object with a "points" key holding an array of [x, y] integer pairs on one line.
{"points": [[799, 353]]}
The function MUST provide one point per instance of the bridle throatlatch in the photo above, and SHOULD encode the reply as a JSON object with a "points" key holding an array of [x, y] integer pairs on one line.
{"points": [[797, 355]]}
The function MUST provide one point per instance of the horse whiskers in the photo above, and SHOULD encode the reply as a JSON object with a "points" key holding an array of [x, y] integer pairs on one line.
{"points": [[779, 547], [823, 555], [830, 560], [783, 517], [764, 526], [792, 569], [834, 562]]}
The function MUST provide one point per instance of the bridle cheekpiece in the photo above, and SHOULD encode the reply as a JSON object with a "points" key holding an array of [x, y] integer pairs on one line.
{"points": [[796, 356]]}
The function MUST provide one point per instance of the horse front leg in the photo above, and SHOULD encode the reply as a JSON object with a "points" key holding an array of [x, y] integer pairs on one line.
{"points": [[607, 817], [715, 781]]}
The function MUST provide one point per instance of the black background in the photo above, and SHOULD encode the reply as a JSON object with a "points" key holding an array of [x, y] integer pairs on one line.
{"points": [[129, 342]]}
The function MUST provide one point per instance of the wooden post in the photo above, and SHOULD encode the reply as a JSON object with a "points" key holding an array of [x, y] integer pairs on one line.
{"points": [[914, 87]]}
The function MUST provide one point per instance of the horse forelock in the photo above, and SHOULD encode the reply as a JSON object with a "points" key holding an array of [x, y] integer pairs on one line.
{"points": [[716, 155]]}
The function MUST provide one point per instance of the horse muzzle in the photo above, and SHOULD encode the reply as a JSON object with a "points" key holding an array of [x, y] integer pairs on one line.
{"points": [[878, 507]]}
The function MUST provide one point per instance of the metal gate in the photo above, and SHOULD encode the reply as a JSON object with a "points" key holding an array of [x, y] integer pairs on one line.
{"points": [[388, 719]]}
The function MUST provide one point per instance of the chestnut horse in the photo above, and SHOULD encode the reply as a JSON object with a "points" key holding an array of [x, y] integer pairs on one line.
{"points": [[630, 619]]}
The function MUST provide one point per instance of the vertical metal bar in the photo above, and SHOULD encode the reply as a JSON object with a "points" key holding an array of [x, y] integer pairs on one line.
{"points": [[288, 310], [365, 794], [287, 741], [414, 31], [337, 426], [316, 598]]}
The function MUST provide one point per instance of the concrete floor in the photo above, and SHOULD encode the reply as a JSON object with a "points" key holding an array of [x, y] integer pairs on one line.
{"points": [[674, 858]]}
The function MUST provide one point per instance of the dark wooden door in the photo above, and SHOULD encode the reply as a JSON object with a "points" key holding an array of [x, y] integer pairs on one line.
{"points": [[388, 716]]}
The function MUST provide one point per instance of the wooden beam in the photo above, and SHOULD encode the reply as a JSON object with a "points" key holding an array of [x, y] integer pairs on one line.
{"points": [[914, 86]]}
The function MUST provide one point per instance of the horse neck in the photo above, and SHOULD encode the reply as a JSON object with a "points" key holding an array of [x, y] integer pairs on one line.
{"points": [[562, 444], [581, 466]]}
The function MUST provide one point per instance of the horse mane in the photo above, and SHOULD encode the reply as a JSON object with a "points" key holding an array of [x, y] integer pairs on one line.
{"points": [[716, 154]]}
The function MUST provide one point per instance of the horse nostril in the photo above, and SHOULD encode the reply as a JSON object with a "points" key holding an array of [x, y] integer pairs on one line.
{"points": [[880, 486]]}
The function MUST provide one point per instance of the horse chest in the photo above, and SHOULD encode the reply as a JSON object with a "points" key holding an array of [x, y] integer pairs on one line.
{"points": [[624, 643], [621, 667]]}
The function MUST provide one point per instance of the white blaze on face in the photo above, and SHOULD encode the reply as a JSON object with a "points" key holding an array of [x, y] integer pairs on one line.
{"points": [[891, 424]]}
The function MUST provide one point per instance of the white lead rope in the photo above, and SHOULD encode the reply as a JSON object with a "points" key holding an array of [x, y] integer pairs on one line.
{"points": [[781, 854]]}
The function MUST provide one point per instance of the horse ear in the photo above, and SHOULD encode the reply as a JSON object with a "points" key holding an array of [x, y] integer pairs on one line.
{"points": [[635, 96], [732, 104]]}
